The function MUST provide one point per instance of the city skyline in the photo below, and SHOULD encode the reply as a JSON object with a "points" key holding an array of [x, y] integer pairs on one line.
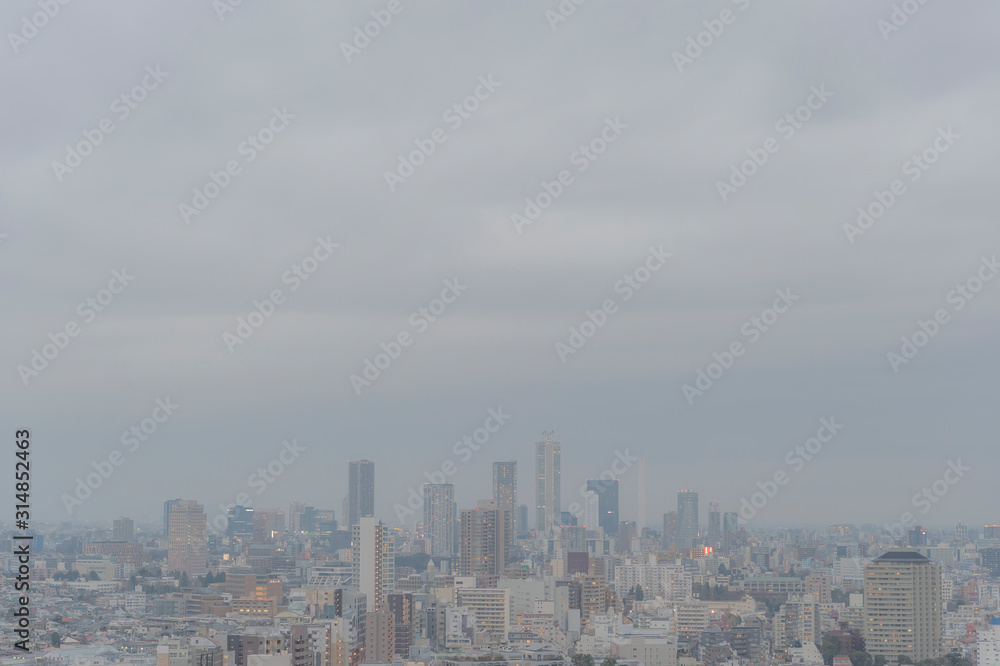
{"points": [[513, 292]]}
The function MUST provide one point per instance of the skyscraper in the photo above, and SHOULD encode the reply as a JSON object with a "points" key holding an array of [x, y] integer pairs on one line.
{"points": [[167, 505], [714, 524], [505, 487], [487, 537], [122, 529], [187, 540], [669, 529], [373, 562], [240, 523], [687, 518], [730, 523], [548, 498], [360, 490], [607, 497], [903, 606], [295, 511], [591, 510], [439, 518]]}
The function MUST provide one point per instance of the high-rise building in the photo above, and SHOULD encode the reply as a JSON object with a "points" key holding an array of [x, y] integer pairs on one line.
{"points": [[360, 490], [991, 560], [373, 562], [961, 532], [730, 524], [505, 487], [607, 497], [591, 510], [167, 505], [714, 524], [903, 606], [379, 634], [439, 518], [187, 540], [295, 511], [240, 525], [626, 532], [991, 531], [687, 518], [123, 529], [522, 520], [917, 537], [401, 609], [487, 536], [797, 622], [548, 499], [669, 529]]}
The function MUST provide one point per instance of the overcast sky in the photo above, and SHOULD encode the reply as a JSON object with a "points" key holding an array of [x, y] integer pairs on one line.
{"points": [[347, 114]]}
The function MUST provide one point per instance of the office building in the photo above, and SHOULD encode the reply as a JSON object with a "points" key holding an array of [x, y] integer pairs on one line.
{"points": [[730, 525], [548, 501], [240, 523], [167, 506], [903, 606], [187, 540], [917, 537], [714, 524], [669, 529], [373, 562], [591, 510], [123, 529], [687, 518], [360, 491], [607, 495], [295, 511], [439, 518]]}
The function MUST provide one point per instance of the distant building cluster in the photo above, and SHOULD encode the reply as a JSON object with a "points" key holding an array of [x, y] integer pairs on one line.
{"points": [[576, 587]]}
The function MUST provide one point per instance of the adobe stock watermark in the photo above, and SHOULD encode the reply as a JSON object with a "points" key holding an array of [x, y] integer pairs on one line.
{"points": [[455, 115], [260, 480], [622, 462], [916, 166], [899, 17], [627, 286], [122, 107], [752, 329], [928, 497], [88, 310], [564, 10], [30, 25], [265, 309], [362, 38], [131, 439], [420, 321], [796, 459], [714, 27], [248, 149], [581, 158], [223, 7], [928, 329], [463, 450], [786, 126]]}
